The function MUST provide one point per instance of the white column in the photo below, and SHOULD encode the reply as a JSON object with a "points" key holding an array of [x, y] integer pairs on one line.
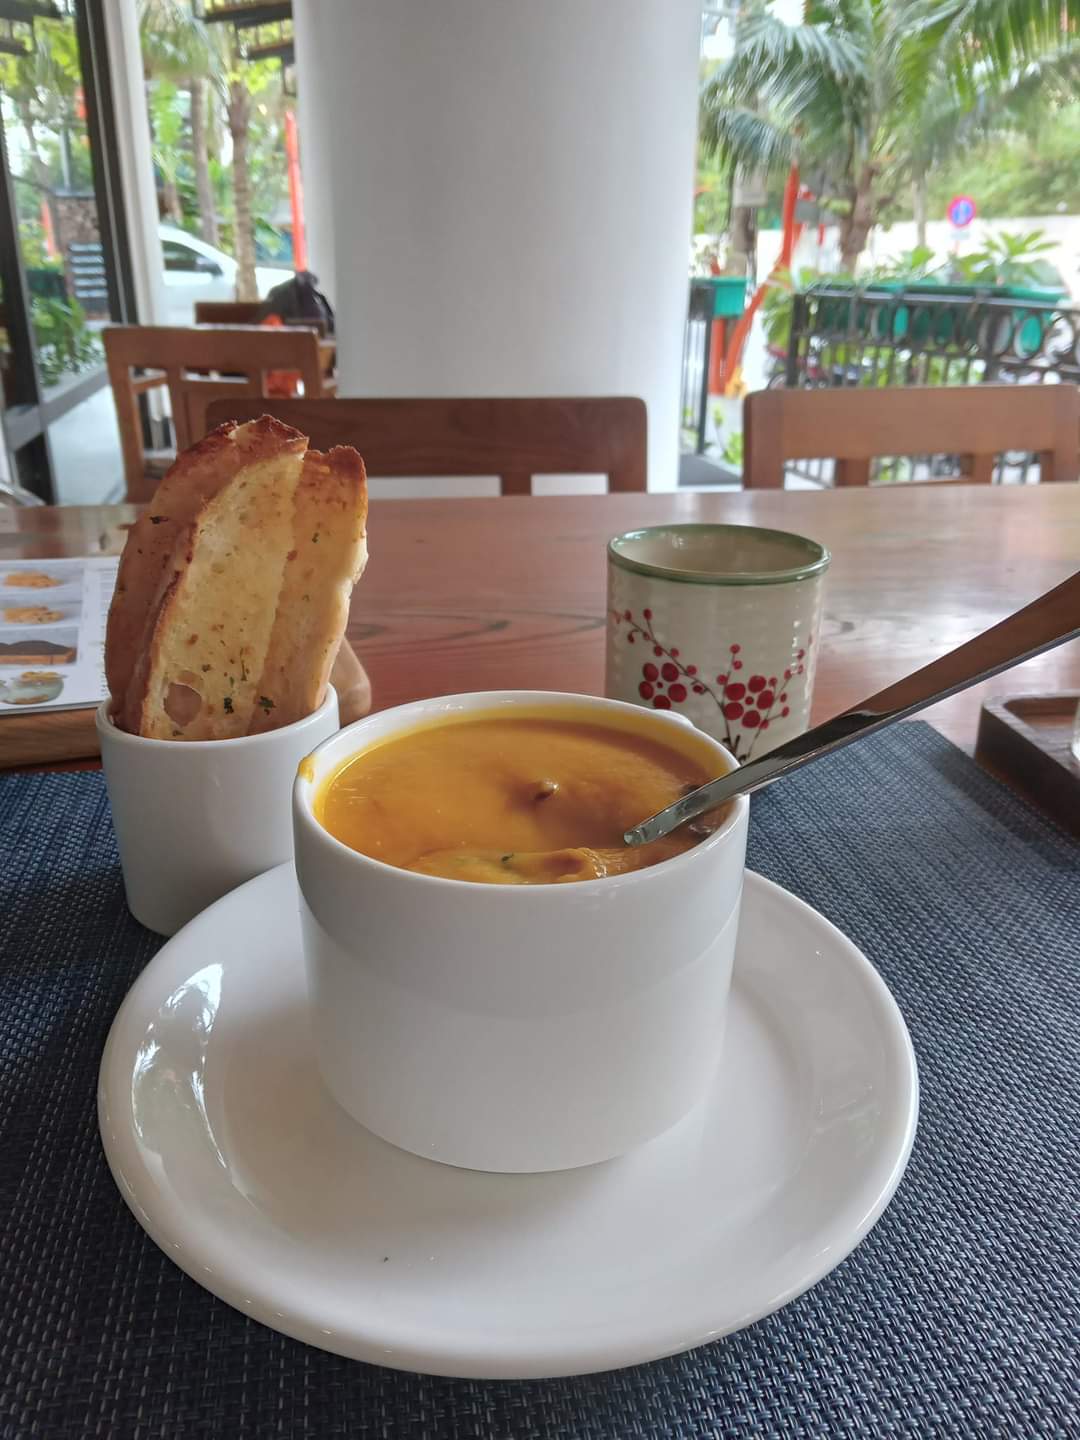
{"points": [[313, 36], [137, 189], [504, 189]]}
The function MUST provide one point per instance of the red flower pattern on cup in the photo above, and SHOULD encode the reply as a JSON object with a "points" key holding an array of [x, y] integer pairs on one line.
{"points": [[748, 706]]}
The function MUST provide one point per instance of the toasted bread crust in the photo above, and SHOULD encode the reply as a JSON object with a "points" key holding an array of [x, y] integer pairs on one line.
{"points": [[154, 541], [244, 612], [328, 557], [197, 676]]}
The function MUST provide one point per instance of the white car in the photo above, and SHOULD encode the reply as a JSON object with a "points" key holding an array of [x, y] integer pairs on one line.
{"points": [[194, 270]]}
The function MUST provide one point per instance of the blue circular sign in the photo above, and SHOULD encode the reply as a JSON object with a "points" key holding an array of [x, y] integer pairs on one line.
{"points": [[961, 211]]}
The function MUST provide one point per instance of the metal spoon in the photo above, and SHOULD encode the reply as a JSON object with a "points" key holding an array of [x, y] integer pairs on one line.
{"points": [[1046, 622]]}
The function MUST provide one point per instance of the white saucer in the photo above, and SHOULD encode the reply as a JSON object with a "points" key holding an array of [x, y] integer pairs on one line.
{"points": [[239, 1165]]}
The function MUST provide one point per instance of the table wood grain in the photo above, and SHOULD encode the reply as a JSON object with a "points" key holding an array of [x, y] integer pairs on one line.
{"points": [[510, 592]]}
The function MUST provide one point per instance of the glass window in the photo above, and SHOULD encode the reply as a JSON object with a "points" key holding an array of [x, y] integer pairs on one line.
{"points": [[179, 256], [57, 288]]}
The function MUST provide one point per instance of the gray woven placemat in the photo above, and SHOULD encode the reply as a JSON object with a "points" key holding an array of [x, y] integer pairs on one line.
{"points": [[959, 1315]]}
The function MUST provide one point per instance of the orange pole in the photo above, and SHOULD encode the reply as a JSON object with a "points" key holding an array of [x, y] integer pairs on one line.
{"points": [[791, 195], [47, 226], [787, 249], [296, 192], [716, 354]]}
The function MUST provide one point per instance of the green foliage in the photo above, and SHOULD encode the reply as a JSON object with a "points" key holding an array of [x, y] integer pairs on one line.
{"points": [[65, 343], [177, 43], [47, 79], [776, 305], [1008, 258], [836, 97], [168, 121], [179, 47], [711, 201], [993, 39], [1005, 260], [918, 264], [732, 453], [867, 96], [1033, 171]]}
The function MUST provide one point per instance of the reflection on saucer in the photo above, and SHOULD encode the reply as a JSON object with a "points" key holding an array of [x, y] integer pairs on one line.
{"points": [[32, 687]]}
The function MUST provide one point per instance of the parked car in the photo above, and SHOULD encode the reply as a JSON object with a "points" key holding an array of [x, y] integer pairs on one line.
{"points": [[194, 270]]}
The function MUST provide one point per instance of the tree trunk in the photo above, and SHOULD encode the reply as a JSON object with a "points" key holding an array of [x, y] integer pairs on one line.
{"points": [[920, 205], [858, 222], [200, 159], [239, 111], [742, 253], [170, 200]]}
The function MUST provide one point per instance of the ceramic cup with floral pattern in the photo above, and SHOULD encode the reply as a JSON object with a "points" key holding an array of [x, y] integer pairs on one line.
{"points": [[720, 623]]}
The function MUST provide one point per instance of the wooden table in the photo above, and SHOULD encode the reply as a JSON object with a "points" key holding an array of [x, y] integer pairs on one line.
{"points": [[480, 594]]}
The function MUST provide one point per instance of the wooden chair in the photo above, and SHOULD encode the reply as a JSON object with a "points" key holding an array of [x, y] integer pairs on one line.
{"points": [[227, 312], [977, 422], [513, 439], [198, 365], [243, 312]]}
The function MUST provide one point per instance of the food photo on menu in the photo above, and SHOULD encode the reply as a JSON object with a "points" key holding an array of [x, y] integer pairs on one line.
{"points": [[52, 628]]}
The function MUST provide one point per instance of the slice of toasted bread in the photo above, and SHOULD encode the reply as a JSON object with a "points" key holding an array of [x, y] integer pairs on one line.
{"points": [[328, 555], [145, 574], [198, 675]]}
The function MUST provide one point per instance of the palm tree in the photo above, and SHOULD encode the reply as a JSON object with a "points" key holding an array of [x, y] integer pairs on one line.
{"points": [[833, 96], [238, 114], [180, 45], [1001, 65], [869, 94], [42, 86], [203, 149], [995, 41]]}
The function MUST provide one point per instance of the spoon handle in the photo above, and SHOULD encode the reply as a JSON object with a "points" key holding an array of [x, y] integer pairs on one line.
{"points": [[1046, 622]]}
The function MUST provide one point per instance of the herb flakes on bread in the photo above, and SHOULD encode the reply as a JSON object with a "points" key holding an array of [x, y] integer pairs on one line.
{"points": [[227, 615]]}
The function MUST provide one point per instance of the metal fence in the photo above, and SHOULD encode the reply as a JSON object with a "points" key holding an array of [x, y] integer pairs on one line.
{"points": [[880, 337]]}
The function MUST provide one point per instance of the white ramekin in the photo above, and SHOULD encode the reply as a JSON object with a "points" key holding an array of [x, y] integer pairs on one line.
{"points": [[515, 1027]]}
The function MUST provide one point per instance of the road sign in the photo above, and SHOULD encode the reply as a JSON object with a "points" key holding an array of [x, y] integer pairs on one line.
{"points": [[961, 211]]}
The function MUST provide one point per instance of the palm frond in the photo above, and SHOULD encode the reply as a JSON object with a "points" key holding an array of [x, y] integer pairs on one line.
{"points": [[806, 77], [176, 42], [1053, 77], [747, 139], [771, 48], [987, 40]]}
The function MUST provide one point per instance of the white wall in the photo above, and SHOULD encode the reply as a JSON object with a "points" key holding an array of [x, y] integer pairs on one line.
{"points": [[509, 190]]}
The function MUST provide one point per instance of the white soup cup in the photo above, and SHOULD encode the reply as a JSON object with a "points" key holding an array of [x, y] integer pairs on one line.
{"points": [[516, 1027]]}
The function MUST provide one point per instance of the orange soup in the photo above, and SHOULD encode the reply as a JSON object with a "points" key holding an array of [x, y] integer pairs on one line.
{"points": [[531, 799]]}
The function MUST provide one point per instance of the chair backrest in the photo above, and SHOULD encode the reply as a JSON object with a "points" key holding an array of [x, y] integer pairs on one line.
{"points": [[511, 438], [198, 364], [227, 312], [246, 312], [977, 422]]}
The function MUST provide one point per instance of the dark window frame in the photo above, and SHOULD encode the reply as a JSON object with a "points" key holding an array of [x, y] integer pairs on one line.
{"points": [[26, 421]]}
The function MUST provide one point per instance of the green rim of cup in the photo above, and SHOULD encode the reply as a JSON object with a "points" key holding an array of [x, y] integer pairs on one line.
{"points": [[814, 557]]}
